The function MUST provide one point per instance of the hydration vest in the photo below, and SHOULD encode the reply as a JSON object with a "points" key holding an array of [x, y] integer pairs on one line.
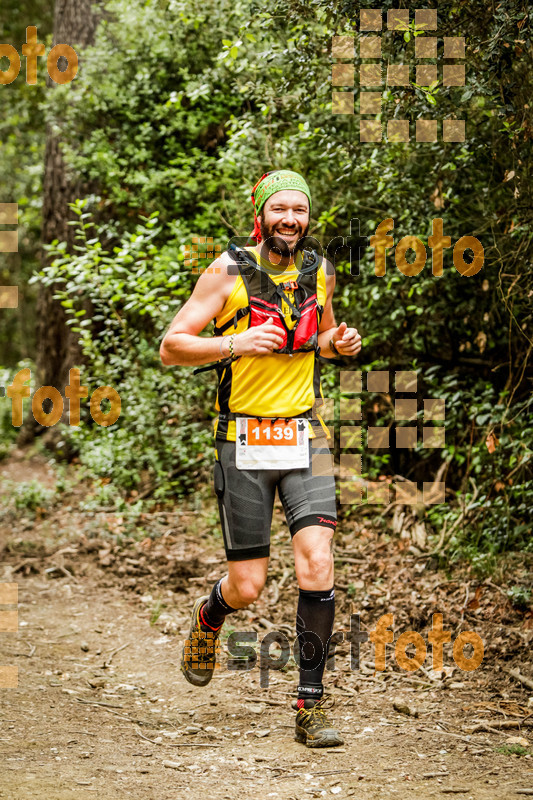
{"points": [[265, 299]]}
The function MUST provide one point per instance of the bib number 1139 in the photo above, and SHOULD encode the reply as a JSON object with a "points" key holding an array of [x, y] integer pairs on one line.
{"points": [[271, 444], [273, 434]]}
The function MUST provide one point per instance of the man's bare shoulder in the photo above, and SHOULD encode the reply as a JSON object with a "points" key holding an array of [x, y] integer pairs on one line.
{"points": [[220, 275], [224, 265]]}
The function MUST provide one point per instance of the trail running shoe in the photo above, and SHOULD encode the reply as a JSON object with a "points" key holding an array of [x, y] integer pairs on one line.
{"points": [[198, 660], [313, 728]]}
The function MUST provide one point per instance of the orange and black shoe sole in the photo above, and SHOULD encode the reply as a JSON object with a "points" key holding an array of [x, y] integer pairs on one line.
{"points": [[198, 660]]}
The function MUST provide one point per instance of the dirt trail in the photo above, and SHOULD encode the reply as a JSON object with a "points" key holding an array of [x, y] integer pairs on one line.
{"points": [[101, 704]]}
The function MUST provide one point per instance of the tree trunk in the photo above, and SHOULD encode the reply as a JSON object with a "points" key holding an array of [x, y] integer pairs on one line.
{"points": [[57, 348]]}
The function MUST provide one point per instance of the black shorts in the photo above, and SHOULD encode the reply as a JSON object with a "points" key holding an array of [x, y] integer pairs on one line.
{"points": [[246, 498]]}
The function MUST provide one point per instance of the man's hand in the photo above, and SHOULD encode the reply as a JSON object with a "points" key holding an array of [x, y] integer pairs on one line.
{"points": [[346, 340], [259, 340]]}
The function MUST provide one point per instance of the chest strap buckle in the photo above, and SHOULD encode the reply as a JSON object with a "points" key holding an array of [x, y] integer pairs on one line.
{"points": [[290, 286]]}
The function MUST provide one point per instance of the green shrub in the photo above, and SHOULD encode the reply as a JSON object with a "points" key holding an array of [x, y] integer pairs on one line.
{"points": [[118, 303], [8, 433], [32, 495]]}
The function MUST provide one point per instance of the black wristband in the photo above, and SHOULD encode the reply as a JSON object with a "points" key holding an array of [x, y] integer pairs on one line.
{"points": [[333, 348]]}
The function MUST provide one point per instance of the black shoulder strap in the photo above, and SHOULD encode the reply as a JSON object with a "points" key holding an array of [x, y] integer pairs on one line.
{"points": [[310, 262], [336, 361], [241, 312], [217, 365], [246, 265], [243, 258], [255, 279]]}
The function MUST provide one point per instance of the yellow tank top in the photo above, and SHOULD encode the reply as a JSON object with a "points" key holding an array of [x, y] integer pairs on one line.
{"points": [[270, 385]]}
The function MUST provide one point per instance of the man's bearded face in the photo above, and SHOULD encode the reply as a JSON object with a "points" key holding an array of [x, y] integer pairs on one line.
{"points": [[284, 222]]}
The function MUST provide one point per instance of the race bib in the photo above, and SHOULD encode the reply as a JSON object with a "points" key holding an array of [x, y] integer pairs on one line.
{"points": [[272, 444]]}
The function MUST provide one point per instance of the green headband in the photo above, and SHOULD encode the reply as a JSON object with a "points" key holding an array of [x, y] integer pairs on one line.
{"points": [[277, 182]]}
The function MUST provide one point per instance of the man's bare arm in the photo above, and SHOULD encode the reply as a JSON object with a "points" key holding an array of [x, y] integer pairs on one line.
{"points": [[181, 345]]}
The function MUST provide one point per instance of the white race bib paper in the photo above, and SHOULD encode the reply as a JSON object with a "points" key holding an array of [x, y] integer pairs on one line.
{"points": [[272, 443]]}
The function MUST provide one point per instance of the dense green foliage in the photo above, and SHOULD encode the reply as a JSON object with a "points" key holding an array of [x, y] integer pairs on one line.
{"points": [[161, 434], [22, 140], [195, 101]]}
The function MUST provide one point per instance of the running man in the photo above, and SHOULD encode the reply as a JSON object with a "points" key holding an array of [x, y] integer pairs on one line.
{"points": [[273, 315]]}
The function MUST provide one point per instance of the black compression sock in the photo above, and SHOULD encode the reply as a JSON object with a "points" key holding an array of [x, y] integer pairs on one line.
{"points": [[314, 626], [214, 611]]}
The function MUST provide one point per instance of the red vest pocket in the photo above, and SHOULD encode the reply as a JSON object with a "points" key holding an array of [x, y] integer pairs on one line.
{"points": [[260, 311], [306, 331]]}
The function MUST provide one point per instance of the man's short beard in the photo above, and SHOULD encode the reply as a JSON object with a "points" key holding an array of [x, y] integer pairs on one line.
{"points": [[278, 245]]}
